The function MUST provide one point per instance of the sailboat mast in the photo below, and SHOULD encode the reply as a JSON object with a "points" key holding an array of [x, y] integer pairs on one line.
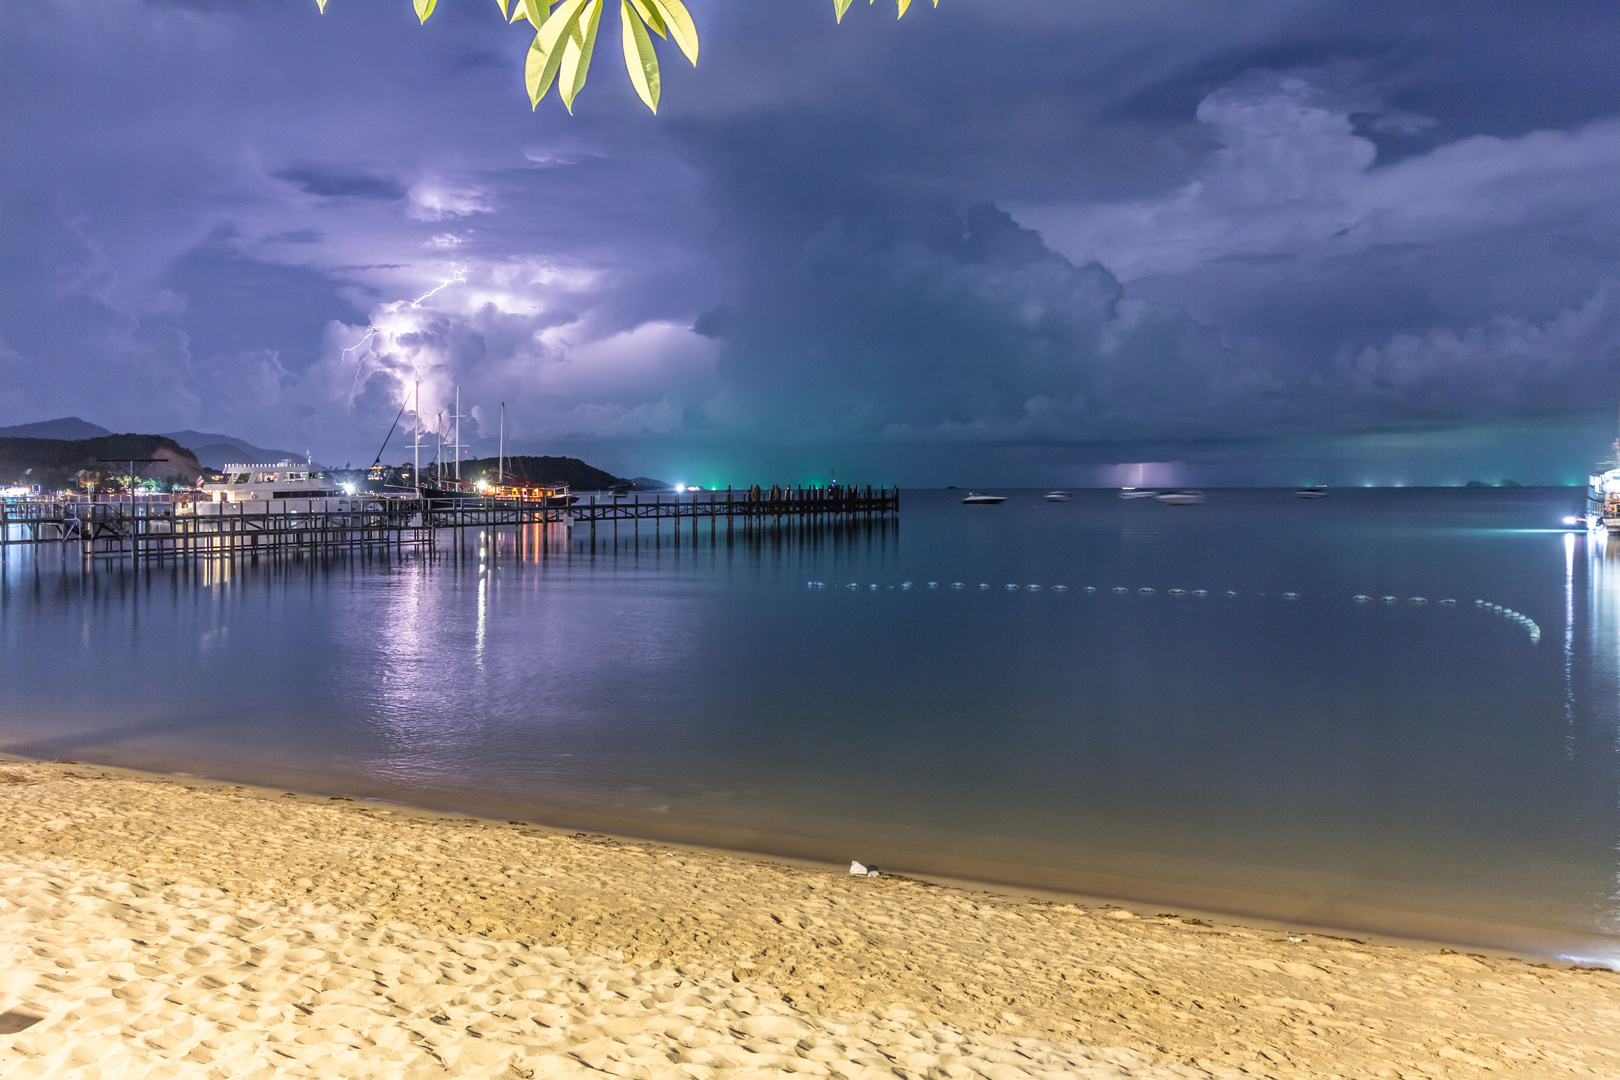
{"points": [[500, 454], [458, 432], [416, 441]]}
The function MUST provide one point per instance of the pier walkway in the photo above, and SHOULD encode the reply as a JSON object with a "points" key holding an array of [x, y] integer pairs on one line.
{"points": [[175, 527]]}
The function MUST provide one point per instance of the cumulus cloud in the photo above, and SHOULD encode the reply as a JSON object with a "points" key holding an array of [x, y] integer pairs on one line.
{"points": [[435, 200], [1294, 177], [972, 330], [1508, 366]]}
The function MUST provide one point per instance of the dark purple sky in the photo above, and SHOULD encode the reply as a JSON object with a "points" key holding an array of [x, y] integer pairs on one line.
{"points": [[1004, 241]]}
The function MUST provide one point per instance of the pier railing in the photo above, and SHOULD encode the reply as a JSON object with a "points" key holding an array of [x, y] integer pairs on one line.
{"points": [[184, 527]]}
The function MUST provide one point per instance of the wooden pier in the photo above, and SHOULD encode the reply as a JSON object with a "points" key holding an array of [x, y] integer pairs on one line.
{"points": [[176, 528], [144, 528]]}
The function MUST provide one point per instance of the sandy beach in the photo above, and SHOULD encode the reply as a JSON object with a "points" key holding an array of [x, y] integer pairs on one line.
{"points": [[156, 927]]}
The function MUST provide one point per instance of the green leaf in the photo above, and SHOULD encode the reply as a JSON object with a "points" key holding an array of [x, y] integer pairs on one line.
{"points": [[322, 5], [650, 16], [681, 26], [561, 22], [839, 7], [577, 51], [639, 58], [424, 8], [903, 5], [539, 69], [536, 11], [502, 5]]}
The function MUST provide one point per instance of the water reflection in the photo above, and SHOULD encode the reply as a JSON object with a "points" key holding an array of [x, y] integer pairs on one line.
{"points": [[1272, 736]]}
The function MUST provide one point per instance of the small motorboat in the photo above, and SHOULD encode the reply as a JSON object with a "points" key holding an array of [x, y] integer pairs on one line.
{"points": [[1181, 498], [1137, 493], [983, 498], [1059, 496], [1315, 491]]}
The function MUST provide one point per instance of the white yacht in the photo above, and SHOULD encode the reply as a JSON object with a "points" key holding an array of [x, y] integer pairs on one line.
{"points": [[982, 498], [1059, 496], [1181, 498], [1603, 492], [1603, 497], [248, 482]]}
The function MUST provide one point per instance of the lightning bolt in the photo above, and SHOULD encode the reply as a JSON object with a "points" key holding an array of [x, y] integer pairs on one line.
{"points": [[457, 277], [458, 274]]}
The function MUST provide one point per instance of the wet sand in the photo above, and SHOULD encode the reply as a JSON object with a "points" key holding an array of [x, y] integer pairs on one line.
{"points": [[153, 927]]}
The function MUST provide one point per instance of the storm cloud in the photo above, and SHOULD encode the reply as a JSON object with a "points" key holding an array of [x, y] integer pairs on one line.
{"points": [[1007, 237]]}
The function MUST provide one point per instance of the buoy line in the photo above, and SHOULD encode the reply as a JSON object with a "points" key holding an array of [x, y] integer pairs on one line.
{"points": [[1522, 619]]}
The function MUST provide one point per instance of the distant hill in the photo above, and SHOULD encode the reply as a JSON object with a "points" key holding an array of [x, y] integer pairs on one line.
{"points": [[214, 450], [68, 427], [546, 470], [55, 463], [210, 448]]}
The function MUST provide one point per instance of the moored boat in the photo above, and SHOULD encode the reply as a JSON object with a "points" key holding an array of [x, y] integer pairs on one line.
{"points": [[1603, 496], [286, 479], [1181, 498], [983, 498]]}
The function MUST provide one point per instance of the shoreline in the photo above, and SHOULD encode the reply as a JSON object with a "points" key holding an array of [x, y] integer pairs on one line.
{"points": [[1280, 910], [166, 921]]}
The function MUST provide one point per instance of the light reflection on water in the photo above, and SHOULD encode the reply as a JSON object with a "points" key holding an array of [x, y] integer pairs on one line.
{"points": [[1419, 768]]}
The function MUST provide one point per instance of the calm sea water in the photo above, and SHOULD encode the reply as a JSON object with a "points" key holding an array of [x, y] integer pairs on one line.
{"points": [[1417, 768]]}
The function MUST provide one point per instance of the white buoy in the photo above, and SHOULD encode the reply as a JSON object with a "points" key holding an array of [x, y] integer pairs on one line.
{"points": [[1290, 596], [1361, 598]]}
